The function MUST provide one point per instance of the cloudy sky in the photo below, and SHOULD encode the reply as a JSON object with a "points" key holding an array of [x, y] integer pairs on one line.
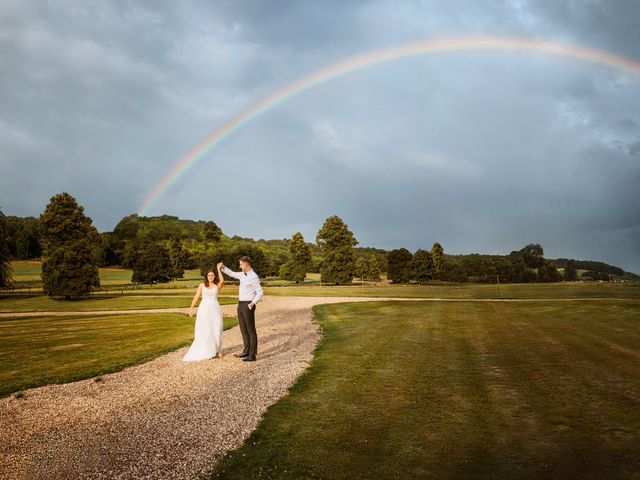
{"points": [[481, 151]]}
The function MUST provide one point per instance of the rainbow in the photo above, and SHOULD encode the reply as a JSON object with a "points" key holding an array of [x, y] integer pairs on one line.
{"points": [[455, 44]]}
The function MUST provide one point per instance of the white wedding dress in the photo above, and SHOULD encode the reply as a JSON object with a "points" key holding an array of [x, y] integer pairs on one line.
{"points": [[208, 331]]}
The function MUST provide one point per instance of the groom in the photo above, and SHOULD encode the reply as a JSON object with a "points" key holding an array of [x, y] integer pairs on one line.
{"points": [[250, 294]]}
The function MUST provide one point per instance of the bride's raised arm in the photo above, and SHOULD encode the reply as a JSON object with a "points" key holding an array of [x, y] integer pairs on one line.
{"points": [[220, 278]]}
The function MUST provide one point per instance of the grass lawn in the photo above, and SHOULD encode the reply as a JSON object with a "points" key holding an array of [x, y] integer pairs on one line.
{"points": [[30, 270], [37, 351], [42, 303], [459, 390], [469, 290]]}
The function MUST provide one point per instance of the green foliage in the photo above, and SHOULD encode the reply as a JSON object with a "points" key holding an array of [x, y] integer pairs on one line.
{"points": [[152, 264], [107, 250], [533, 255], [230, 258], [336, 242], [360, 267], [422, 266], [373, 274], [594, 266], [368, 252], [437, 255], [570, 271], [5, 257], [212, 231], [399, 265], [452, 271], [548, 272], [275, 261], [296, 268], [180, 258], [69, 267], [367, 268], [23, 237]]}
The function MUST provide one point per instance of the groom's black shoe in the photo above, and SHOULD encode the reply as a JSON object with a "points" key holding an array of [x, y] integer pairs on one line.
{"points": [[240, 355], [250, 358]]}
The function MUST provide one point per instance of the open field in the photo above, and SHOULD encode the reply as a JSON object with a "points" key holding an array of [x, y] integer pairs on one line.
{"points": [[459, 390], [37, 351], [30, 270], [468, 290], [43, 303]]}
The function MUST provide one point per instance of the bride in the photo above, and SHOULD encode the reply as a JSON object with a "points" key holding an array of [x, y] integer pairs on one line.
{"points": [[208, 331]]}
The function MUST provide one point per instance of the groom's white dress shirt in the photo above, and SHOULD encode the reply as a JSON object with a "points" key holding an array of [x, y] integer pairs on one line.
{"points": [[250, 288]]}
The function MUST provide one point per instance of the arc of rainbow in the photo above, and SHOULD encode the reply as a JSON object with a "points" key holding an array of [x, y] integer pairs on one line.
{"points": [[465, 44]]}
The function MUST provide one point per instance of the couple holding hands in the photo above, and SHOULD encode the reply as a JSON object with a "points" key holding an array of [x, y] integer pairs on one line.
{"points": [[208, 328]]}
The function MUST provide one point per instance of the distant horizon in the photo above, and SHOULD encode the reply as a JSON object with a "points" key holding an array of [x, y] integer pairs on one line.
{"points": [[360, 245]]}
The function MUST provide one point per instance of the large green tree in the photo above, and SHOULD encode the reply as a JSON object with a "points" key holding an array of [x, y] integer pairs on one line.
{"points": [[533, 255], [152, 264], [69, 266], [296, 268], [5, 258], [422, 266], [336, 242], [399, 265]]}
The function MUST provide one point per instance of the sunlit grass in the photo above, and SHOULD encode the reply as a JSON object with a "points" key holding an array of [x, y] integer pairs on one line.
{"points": [[462, 390], [37, 351], [43, 303]]}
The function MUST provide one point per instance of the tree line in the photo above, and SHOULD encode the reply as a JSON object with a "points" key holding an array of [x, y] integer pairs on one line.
{"points": [[160, 249]]}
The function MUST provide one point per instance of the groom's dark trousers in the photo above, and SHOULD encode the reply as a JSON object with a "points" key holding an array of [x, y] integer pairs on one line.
{"points": [[247, 323]]}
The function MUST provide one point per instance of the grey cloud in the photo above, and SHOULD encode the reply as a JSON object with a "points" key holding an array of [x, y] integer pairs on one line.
{"points": [[482, 152]]}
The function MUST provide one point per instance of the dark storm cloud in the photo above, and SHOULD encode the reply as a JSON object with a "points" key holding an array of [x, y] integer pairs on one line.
{"points": [[482, 152]]}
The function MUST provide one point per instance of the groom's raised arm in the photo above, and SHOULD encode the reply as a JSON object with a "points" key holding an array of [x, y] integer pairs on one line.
{"points": [[231, 273]]}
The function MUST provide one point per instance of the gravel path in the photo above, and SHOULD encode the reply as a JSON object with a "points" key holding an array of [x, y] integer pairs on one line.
{"points": [[163, 419]]}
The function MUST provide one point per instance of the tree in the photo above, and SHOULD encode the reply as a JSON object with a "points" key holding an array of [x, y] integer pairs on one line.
{"points": [[422, 266], [373, 272], [296, 268], [107, 250], [533, 255], [548, 272], [180, 258], [336, 242], [28, 239], [570, 271], [452, 271], [399, 265], [212, 232], [275, 261], [361, 268], [257, 256], [69, 268], [5, 258], [437, 255], [152, 264]]}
